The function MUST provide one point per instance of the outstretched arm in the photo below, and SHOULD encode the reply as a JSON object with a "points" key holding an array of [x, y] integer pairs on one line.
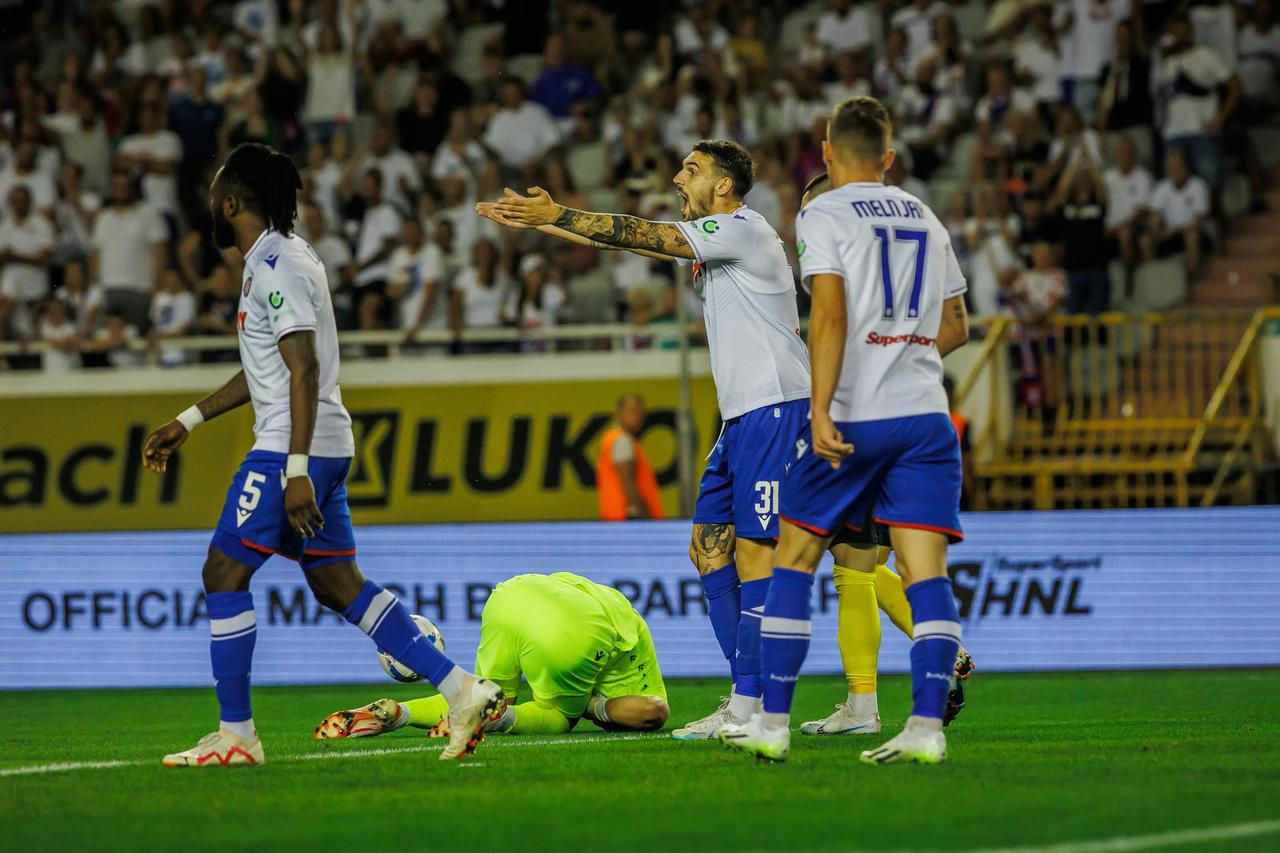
{"points": [[488, 211], [612, 229], [162, 443]]}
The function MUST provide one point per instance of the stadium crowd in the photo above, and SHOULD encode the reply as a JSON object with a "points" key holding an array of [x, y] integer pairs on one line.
{"points": [[1064, 143]]}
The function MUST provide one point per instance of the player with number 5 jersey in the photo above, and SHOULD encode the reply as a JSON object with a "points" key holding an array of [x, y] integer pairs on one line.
{"points": [[289, 496], [888, 303]]}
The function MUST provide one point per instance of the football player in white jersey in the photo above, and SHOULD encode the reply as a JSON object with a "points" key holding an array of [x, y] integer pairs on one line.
{"points": [[289, 496], [887, 305], [760, 368]]}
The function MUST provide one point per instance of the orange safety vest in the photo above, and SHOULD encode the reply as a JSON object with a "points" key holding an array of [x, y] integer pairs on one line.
{"points": [[613, 500], [961, 423]]}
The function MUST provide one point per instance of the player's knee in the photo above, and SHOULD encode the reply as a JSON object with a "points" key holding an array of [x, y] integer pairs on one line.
{"points": [[653, 714], [335, 586], [223, 574]]}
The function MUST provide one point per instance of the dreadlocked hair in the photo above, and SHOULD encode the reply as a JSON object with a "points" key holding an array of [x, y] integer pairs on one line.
{"points": [[266, 181]]}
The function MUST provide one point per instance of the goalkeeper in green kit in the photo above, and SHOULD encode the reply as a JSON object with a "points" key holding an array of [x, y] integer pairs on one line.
{"points": [[581, 646]]}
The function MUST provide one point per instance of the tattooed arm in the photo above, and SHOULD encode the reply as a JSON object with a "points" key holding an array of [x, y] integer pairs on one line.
{"points": [[612, 229], [488, 211]]}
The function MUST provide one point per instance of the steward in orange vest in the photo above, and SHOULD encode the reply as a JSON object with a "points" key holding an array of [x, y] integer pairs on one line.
{"points": [[625, 480]]}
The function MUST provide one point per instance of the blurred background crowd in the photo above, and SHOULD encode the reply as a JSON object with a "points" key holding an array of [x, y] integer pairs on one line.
{"points": [[1086, 155]]}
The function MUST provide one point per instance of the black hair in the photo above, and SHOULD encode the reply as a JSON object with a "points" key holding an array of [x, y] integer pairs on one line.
{"points": [[733, 160], [814, 183], [862, 125], [266, 181]]}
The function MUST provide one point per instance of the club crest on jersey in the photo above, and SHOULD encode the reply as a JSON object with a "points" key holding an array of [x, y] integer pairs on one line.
{"points": [[276, 299], [800, 249], [710, 226], [248, 285]]}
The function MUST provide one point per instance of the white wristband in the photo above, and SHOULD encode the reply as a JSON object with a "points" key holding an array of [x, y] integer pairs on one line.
{"points": [[296, 466], [190, 418]]}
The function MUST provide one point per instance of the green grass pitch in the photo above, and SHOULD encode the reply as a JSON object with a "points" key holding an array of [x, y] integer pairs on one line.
{"points": [[1036, 759]]}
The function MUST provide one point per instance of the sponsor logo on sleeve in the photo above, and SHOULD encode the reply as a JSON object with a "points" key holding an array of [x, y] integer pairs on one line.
{"points": [[800, 247], [710, 226]]}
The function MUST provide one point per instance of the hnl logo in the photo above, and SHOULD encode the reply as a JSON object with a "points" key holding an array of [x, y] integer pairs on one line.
{"points": [[276, 299], [1014, 587]]}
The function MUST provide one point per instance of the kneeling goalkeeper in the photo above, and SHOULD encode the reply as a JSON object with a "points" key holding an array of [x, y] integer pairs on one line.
{"points": [[581, 646]]}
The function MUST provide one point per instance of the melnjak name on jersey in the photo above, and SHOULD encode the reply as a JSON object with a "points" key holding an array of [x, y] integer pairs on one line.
{"points": [[882, 208]]}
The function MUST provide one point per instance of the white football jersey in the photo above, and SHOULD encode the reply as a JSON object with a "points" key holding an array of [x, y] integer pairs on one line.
{"points": [[285, 290], [898, 268], [749, 304]]}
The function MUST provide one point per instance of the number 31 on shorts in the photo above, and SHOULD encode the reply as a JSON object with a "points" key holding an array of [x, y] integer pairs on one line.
{"points": [[767, 497]]}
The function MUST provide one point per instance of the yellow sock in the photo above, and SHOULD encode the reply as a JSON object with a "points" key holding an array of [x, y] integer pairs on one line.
{"points": [[858, 628], [427, 711], [535, 719], [892, 600]]}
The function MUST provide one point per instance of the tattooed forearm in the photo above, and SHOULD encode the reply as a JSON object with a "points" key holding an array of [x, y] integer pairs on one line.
{"points": [[712, 546], [626, 232]]}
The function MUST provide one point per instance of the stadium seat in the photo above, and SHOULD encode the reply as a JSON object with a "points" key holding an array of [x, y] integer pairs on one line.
{"points": [[1236, 196], [588, 165], [592, 297], [1160, 285]]}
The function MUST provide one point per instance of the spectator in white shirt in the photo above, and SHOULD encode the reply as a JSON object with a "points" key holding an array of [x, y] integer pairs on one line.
{"points": [[417, 281], [479, 294], [128, 251], [521, 132], [331, 86], [1037, 59], [83, 299], [26, 252], [157, 153], [1191, 76], [1089, 29], [400, 178], [173, 312], [335, 254], [24, 170], [538, 303], [845, 28], [1128, 191], [86, 142], [916, 20], [60, 338], [1259, 45], [1179, 210], [73, 214], [375, 241]]}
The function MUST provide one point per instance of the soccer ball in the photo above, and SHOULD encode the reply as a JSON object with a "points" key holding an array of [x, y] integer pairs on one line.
{"points": [[399, 671]]}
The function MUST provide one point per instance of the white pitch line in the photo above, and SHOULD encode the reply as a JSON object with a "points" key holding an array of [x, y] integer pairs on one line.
{"points": [[1147, 842], [327, 755]]}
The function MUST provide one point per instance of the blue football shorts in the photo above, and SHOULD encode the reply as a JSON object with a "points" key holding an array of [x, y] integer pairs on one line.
{"points": [[253, 525], [904, 472], [744, 472]]}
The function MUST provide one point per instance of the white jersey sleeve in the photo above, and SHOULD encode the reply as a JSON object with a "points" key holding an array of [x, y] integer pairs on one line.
{"points": [[816, 244], [287, 297], [720, 237]]}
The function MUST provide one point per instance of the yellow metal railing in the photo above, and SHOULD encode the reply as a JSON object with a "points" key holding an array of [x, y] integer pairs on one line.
{"points": [[1113, 410]]}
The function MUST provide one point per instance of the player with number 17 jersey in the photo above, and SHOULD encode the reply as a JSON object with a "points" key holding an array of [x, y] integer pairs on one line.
{"points": [[898, 267]]}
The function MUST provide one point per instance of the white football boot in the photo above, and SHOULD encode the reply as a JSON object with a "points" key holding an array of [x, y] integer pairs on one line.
{"points": [[219, 749], [706, 728], [917, 743], [385, 715], [854, 716], [754, 738], [479, 703]]}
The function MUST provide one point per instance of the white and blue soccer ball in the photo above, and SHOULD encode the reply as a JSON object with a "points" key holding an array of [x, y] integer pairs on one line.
{"points": [[399, 671]]}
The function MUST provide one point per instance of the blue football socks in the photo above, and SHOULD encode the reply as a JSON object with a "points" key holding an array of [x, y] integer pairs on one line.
{"points": [[381, 615], [784, 640], [233, 630], [933, 650], [723, 605], [753, 595]]}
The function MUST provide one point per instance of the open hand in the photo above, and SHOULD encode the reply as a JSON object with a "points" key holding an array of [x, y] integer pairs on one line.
{"points": [[827, 440], [538, 208], [161, 444], [300, 506], [489, 210]]}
